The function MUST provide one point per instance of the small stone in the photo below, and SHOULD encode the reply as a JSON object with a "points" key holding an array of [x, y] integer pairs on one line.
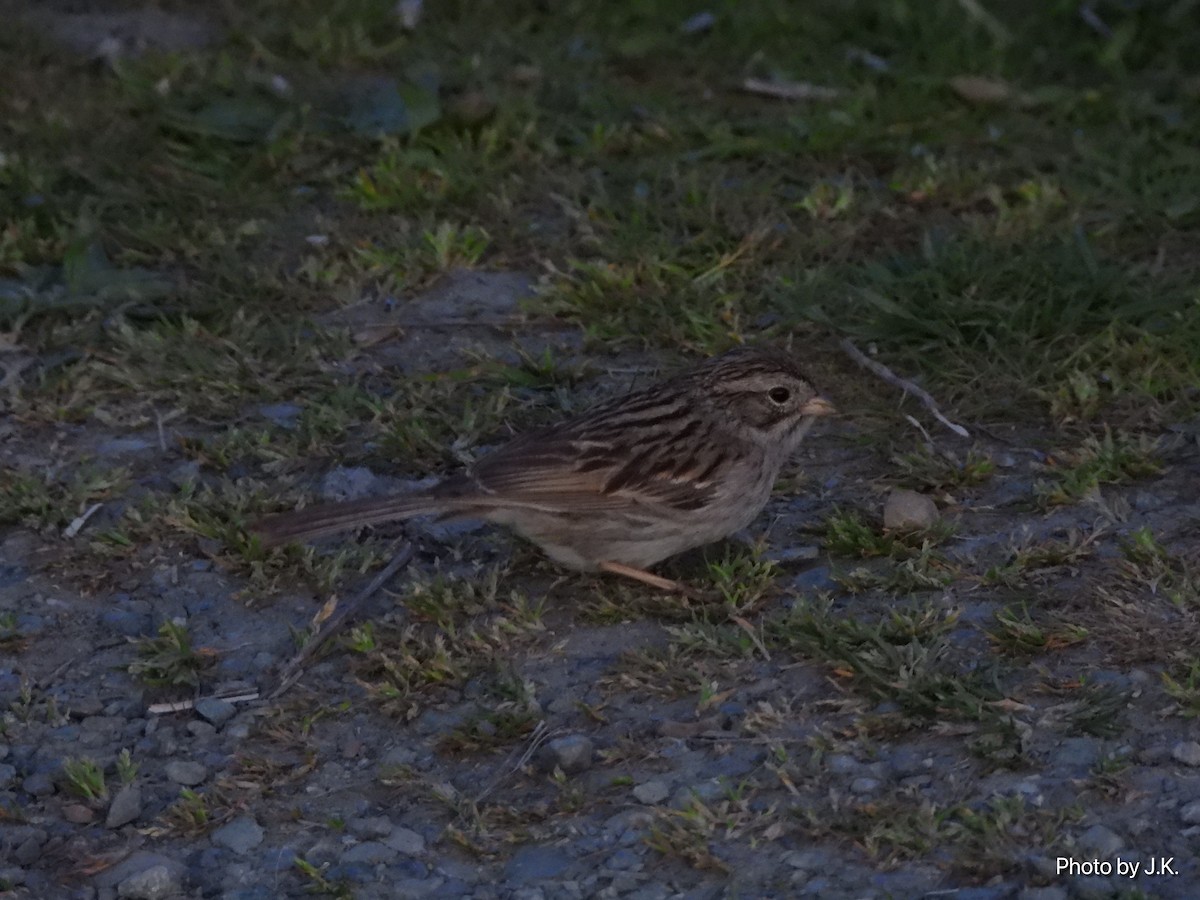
{"points": [[30, 849], [795, 554], [39, 784], [216, 710], [842, 764], [909, 511], [812, 860], [8, 776], [137, 862], [652, 792], [534, 862], [1191, 813], [154, 883], [864, 785], [78, 814], [241, 835], [1187, 752], [405, 841], [126, 807], [1083, 752], [572, 753], [369, 826], [369, 852], [625, 859], [200, 729], [397, 756], [189, 774], [1102, 841]]}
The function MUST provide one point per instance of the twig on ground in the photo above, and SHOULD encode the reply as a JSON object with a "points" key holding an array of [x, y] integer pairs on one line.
{"points": [[883, 372], [291, 671], [912, 420], [789, 90], [79, 521], [157, 709]]}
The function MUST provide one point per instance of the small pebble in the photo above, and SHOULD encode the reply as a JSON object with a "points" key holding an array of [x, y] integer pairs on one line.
{"points": [[909, 511], [189, 774], [125, 807], [652, 792], [369, 852], [1187, 752], [216, 710], [405, 841], [572, 753], [154, 883], [241, 835], [39, 784], [201, 730], [1191, 813], [370, 826], [78, 814]]}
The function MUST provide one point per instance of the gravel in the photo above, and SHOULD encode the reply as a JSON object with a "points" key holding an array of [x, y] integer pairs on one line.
{"points": [[1187, 752], [241, 835], [907, 510], [189, 774], [126, 806], [776, 776], [652, 792]]}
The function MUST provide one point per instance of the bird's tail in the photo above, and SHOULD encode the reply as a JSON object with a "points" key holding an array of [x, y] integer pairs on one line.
{"points": [[330, 518]]}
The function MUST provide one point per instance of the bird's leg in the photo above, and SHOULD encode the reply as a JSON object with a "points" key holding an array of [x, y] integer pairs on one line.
{"points": [[663, 584]]}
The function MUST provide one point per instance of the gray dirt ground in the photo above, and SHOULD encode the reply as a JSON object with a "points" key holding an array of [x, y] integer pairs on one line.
{"points": [[378, 801]]}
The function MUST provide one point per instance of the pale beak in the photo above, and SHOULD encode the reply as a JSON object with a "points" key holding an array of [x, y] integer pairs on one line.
{"points": [[818, 406]]}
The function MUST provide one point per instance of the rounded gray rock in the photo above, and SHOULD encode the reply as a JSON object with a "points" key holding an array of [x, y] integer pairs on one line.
{"points": [[216, 710], [1187, 752], [1191, 813], [155, 883], [572, 753], [405, 841], [652, 792], [907, 510], [369, 852], [39, 784], [241, 835], [189, 774]]}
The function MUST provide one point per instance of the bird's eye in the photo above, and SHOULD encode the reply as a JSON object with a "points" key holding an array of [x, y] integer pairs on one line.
{"points": [[779, 395]]}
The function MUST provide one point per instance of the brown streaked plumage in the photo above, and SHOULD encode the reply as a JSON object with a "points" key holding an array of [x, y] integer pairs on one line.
{"points": [[628, 483]]}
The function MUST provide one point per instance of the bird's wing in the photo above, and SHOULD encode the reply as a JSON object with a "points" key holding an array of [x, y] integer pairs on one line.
{"points": [[584, 473]]}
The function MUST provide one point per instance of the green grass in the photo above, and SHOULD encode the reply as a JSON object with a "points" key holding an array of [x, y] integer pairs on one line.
{"points": [[1111, 459], [170, 660]]}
